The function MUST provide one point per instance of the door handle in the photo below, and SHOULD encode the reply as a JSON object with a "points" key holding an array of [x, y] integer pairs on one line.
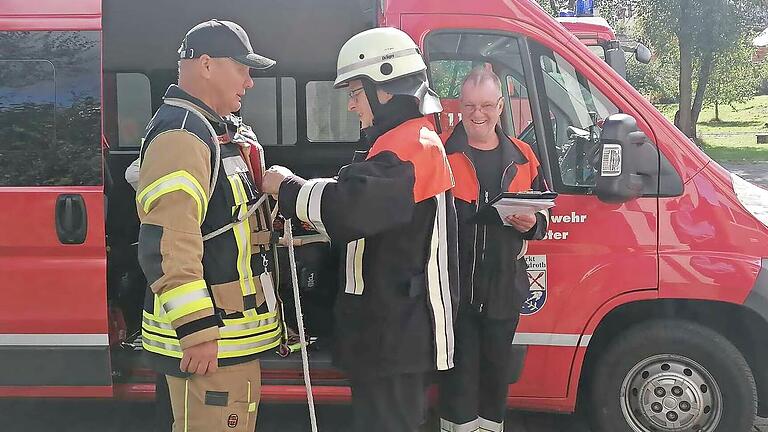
{"points": [[71, 219]]}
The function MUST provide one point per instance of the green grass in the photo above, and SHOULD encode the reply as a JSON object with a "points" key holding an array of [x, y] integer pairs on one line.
{"points": [[733, 138]]}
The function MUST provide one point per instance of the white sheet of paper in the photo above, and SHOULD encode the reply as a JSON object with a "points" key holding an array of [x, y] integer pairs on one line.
{"points": [[509, 206]]}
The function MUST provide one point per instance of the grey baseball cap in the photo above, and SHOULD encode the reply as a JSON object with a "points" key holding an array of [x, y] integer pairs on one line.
{"points": [[218, 39]]}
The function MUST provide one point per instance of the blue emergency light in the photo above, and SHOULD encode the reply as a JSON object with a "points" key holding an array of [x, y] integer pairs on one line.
{"points": [[566, 13], [585, 8]]}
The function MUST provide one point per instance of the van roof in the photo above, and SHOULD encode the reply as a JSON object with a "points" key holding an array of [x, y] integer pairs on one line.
{"points": [[51, 15], [588, 27], [302, 35]]}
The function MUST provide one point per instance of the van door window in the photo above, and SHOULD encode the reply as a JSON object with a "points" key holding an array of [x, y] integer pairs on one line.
{"points": [[577, 111], [328, 119], [134, 108], [452, 54], [271, 115], [50, 108]]}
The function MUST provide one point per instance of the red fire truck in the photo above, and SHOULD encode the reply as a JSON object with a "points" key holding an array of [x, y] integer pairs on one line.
{"points": [[598, 35], [649, 297]]}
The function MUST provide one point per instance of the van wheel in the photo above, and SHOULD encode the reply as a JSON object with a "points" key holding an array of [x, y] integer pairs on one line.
{"points": [[672, 375]]}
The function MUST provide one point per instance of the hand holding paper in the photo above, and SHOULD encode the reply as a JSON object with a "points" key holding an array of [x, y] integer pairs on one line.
{"points": [[503, 208], [521, 222]]}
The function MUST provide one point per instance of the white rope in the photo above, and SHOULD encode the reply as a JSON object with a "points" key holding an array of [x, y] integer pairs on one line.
{"points": [[300, 324]]}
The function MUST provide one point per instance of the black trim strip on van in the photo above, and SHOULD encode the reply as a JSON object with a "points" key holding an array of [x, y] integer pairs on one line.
{"points": [[757, 300], [55, 366]]}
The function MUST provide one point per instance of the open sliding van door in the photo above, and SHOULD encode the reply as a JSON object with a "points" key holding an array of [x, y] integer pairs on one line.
{"points": [[53, 300]]}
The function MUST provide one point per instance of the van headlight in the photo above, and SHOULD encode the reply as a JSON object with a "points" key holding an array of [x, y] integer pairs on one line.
{"points": [[752, 197]]}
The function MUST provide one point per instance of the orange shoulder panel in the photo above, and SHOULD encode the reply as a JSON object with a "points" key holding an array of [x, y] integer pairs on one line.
{"points": [[527, 172], [416, 141]]}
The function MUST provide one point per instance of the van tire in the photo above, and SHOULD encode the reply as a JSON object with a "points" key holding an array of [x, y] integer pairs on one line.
{"points": [[679, 367]]}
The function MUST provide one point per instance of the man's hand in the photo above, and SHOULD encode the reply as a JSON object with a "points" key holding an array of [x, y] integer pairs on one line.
{"points": [[201, 359], [522, 222], [272, 179]]}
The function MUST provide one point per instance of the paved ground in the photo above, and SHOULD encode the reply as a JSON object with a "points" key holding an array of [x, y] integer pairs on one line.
{"points": [[64, 416], [755, 172]]}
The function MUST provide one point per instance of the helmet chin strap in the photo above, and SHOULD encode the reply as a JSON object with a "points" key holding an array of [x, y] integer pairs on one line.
{"points": [[373, 98]]}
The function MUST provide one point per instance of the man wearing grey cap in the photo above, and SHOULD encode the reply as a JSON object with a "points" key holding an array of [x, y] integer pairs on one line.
{"points": [[210, 309]]}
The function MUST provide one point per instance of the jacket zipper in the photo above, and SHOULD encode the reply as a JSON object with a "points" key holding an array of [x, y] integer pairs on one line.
{"points": [[474, 240], [485, 230], [474, 259]]}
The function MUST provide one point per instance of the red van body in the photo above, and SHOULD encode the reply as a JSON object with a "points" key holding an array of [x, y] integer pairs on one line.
{"points": [[690, 247]]}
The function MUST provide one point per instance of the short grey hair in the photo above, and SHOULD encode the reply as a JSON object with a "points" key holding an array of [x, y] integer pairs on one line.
{"points": [[479, 75]]}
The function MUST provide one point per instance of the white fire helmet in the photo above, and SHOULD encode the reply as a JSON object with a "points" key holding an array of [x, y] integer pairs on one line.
{"points": [[391, 60]]}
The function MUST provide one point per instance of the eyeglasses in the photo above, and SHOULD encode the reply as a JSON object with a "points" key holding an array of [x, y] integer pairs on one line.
{"points": [[353, 93], [484, 108]]}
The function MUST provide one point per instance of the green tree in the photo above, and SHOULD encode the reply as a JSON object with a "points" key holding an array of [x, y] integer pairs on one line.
{"points": [[700, 30], [735, 77]]}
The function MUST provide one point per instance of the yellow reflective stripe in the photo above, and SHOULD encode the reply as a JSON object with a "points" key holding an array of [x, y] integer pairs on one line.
{"points": [[185, 299], [186, 405], [247, 284], [189, 308], [157, 310], [161, 351], [239, 333], [266, 347], [249, 323], [240, 349], [162, 331], [177, 180], [236, 195], [155, 317], [241, 232], [156, 325], [228, 343], [171, 341], [151, 344], [250, 319], [255, 327], [227, 348], [173, 293]]}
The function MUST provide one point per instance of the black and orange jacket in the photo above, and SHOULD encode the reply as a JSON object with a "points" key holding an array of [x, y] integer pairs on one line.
{"points": [[491, 257], [392, 215]]}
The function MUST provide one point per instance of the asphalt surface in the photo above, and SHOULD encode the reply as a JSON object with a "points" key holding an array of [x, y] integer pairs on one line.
{"points": [[107, 416]]}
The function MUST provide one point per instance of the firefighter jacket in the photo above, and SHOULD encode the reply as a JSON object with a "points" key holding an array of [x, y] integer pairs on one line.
{"points": [[392, 216], [193, 182], [491, 257]]}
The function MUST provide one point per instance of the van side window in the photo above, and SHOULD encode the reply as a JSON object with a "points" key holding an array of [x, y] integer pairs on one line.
{"points": [[327, 117], [452, 54], [50, 108], [271, 110], [134, 108], [577, 108]]}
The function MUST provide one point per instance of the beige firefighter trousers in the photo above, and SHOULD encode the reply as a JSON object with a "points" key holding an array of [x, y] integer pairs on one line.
{"points": [[226, 400]]}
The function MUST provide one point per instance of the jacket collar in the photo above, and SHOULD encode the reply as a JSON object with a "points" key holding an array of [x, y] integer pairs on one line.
{"points": [[176, 92], [459, 143]]}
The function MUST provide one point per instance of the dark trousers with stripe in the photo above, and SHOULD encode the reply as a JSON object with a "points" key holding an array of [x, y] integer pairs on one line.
{"points": [[475, 390], [395, 403]]}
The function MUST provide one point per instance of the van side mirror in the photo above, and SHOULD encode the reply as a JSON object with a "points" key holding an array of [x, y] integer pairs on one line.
{"points": [[643, 54], [629, 163]]}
